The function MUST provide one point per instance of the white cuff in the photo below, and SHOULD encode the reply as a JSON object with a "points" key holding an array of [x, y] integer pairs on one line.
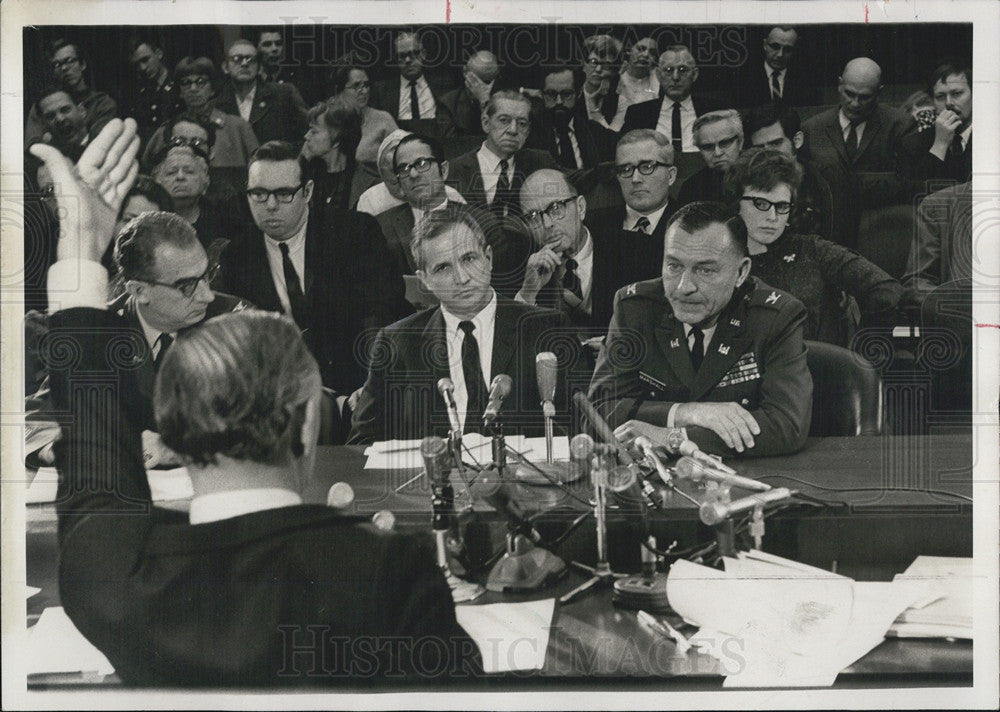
{"points": [[75, 282], [671, 414]]}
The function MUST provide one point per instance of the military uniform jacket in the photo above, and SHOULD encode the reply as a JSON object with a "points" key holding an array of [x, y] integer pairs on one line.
{"points": [[756, 358]]}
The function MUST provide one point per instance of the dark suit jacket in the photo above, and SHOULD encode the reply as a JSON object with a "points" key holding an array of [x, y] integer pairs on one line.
{"points": [[596, 142], [351, 287], [224, 603], [278, 112], [924, 166], [400, 399], [705, 184], [397, 224], [465, 177], [753, 86], [756, 358], [646, 114], [385, 96], [464, 114]]}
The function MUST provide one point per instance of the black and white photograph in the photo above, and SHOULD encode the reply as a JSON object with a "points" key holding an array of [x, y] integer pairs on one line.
{"points": [[508, 355]]}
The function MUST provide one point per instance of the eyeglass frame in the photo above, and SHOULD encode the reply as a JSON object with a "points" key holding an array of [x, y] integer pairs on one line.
{"points": [[197, 80], [189, 285], [268, 193], [242, 59], [404, 170], [556, 210], [724, 145], [627, 170], [786, 205], [64, 62], [199, 146], [565, 95], [681, 69]]}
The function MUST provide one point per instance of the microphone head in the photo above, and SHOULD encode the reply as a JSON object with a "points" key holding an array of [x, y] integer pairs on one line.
{"points": [[581, 447], [688, 468], [547, 373], [445, 387], [643, 443], [501, 385], [340, 496], [433, 446], [712, 513], [687, 448], [621, 478]]}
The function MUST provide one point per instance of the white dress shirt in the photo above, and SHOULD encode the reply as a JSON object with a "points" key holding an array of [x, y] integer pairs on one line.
{"points": [[418, 214], [245, 105], [632, 216], [845, 127], [217, 506], [484, 322], [425, 99], [489, 168], [687, 122], [297, 253]]}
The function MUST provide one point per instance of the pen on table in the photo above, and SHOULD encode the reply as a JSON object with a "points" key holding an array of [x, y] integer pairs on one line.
{"points": [[666, 630]]}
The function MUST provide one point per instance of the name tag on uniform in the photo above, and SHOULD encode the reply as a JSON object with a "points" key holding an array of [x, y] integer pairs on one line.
{"points": [[746, 369], [659, 385]]}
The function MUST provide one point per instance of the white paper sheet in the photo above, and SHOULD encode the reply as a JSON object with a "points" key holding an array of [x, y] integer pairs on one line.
{"points": [[510, 636], [164, 485], [55, 645]]}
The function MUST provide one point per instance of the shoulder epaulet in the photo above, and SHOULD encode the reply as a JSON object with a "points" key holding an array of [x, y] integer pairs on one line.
{"points": [[769, 297]]}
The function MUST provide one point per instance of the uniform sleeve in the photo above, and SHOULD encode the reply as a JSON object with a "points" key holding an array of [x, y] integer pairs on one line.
{"points": [[877, 293]]}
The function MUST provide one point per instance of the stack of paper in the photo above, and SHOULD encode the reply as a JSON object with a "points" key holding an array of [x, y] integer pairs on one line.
{"points": [[775, 622], [946, 609], [405, 454], [510, 636]]}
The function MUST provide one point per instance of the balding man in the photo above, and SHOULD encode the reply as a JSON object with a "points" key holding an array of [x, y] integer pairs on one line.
{"points": [[464, 106], [673, 114], [859, 145], [276, 112]]}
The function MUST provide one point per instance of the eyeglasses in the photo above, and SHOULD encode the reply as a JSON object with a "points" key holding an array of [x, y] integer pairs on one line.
{"points": [[188, 82], [358, 86], [60, 63], [776, 47], [421, 165], [242, 59], [556, 210], [782, 207], [282, 195], [188, 286], [598, 62], [48, 191], [198, 145], [645, 168], [552, 94], [723, 145], [682, 70]]}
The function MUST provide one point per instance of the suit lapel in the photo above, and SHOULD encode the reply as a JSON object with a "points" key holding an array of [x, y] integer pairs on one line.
{"points": [[402, 227], [504, 334], [836, 137], [433, 348], [259, 279], [670, 336], [872, 127], [146, 372], [261, 103]]}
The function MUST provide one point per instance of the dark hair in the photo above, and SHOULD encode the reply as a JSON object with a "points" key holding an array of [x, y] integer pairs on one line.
{"points": [[188, 118], [277, 151], [576, 72], [511, 94], [274, 29], [340, 115], [152, 191], [135, 245], [60, 42], [237, 386], [138, 41], [947, 69], [48, 90], [437, 150], [761, 169], [437, 222], [340, 73], [697, 216], [761, 117], [200, 66]]}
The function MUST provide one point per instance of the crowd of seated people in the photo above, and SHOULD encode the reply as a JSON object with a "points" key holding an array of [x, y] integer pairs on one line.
{"points": [[574, 173]]}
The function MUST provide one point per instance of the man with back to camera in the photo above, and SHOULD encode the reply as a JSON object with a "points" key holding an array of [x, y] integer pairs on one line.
{"points": [[719, 137], [474, 335], [166, 597], [724, 358]]}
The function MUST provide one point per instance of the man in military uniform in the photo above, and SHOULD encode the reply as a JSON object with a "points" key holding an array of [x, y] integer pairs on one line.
{"points": [[708, 349], [156, 98]]}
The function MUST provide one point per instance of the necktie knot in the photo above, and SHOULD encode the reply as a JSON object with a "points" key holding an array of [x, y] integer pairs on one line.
{"points": [[467, 326], [284, 248], [697, 347], [571, 280], [642, 225], [163, 342], [504, 165]]}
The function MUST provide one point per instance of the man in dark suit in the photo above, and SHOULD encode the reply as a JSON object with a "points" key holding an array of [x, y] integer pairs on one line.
{"points": [[723, 359], [411, 100], [473, 336], [859, 146], [946, 152], [673, 114], [252, 588], [276, 68], [165, 273], [719, 137], [563, 128], [464, 106], [776, 78], [276, 112], [329, 270], [421, 170]]}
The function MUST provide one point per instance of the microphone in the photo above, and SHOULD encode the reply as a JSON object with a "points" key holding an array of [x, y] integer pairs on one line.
{"points": [[499, 389], [493, 489], [677, 444], [546, 371], [447, 390], [689, 468], [340, 496], [712, 513], [654, 461], [433, 450]]}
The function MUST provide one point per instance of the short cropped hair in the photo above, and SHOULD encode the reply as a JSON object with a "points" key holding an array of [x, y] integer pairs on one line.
{"points": [[947, 69], [340, 73], [437, 222], [511, 94], [50, 89], [341, 116], [762, 169], [278, 151], [135, 246], [236, 386], [697, 216], [640, 135], [761, 117], [730, 116], [437, 150], [58, 43], [195, 66]]}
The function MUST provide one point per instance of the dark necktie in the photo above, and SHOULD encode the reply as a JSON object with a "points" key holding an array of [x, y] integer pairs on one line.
{"points": [[697, 347], [296, 299], [502, 196], [472, 371], [414, 103], [642, 225], [851, 142], [955, 149], [567, 159], [571, 280], [164, 340], [675, 128], [775, 85]]}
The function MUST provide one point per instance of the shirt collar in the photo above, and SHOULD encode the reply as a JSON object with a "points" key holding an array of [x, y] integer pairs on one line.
{"points": [[769, 70], [148, 331], [492, 159], [708, 333], [294, 242], [845, 122], [965, 135], [484, 318], [668, 103], [654, 217], [587, 249], [217, 506], [418, 214]]}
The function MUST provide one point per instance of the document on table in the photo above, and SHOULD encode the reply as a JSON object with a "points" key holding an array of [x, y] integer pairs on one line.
{"points": [[405, 454], [945, 609], [56, 646], [510, 636], [795, 625]]}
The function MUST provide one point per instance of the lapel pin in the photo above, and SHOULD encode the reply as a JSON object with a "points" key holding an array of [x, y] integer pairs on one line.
{"points": [[723, 349], [790, 257], [734, 322], [772, 298], [745, 401], [674, 343]]}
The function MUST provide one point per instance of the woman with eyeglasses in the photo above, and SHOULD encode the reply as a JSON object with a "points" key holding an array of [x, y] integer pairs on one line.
{"points": [[350, 82], [330, 148], [822, 275]]}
